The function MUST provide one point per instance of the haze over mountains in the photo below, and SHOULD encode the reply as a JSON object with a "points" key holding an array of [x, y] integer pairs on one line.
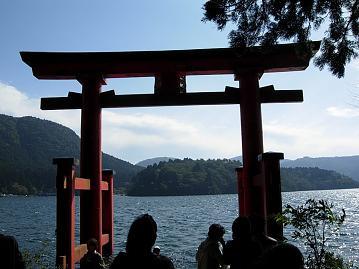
{"points": [[28, 145]]}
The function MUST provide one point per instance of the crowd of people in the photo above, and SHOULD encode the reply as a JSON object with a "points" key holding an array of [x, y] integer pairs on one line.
{"points": [[249, 248]]}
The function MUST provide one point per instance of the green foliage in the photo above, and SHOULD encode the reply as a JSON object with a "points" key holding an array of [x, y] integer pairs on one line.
{"points": [[186, 177], [268, 22], [191, 177], [36, 259], [312, 222], [27, 147], [305, 178]]}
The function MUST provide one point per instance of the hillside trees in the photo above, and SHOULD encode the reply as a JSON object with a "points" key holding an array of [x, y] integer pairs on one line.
{"points": [[268, 22], [192, 177]]}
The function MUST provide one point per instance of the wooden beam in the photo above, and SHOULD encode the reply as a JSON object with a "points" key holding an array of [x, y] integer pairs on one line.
{"points": [[105, 239], [69, 65], [82, 184], [80, 251], [229, 97], [282, 96], [72, 101], [187, 99], [104, 186]]}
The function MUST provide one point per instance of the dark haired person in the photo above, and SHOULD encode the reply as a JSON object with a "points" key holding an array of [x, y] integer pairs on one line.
{"points": [[210, 252], [282, 256], [10, 256], [140, 240], [242, 252], [92, 259]]}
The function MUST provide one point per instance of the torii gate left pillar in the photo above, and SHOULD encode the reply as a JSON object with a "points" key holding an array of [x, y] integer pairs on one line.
{"points": [[91, 158]]}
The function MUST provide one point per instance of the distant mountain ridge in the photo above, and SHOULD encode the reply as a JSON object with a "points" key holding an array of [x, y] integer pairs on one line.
{"points": [[27, 147], [153, 161], [346, 165]]}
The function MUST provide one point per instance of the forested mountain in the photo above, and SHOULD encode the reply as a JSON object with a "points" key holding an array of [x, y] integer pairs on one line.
{"points": [[314, 178], [187, 177], [347, 165], [27, 147]]}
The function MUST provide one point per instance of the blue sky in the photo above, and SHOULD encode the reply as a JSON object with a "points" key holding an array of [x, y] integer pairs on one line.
{"points": [[326, 124]]}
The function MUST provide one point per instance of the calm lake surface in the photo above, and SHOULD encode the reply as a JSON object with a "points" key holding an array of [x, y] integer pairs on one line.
{"points": [[182, 221]]}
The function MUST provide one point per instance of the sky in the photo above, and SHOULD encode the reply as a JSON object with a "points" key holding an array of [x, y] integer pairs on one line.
{"points": [[325, 124]]}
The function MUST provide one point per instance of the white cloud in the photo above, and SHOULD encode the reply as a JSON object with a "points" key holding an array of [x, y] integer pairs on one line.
{"points": [[343, 112], [310, 139], [135, 136], [122, 131], [16, 103], [151, 131]]}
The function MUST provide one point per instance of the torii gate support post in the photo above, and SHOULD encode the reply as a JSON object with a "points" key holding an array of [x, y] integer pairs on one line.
{"points": [[273, 194], [65, 213], [91, 159], [252, 143], [107, 212]]}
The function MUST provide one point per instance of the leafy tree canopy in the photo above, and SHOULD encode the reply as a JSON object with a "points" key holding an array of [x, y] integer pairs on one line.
{"points": [[267, 22]]}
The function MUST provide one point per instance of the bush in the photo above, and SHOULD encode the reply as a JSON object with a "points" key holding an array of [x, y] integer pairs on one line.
{"points": [[312, 222]]}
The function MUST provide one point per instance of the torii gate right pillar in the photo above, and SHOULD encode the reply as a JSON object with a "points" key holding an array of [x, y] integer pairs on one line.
{"points": [[251, 202]]}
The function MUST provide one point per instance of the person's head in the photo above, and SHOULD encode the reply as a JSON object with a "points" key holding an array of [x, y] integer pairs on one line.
{"points": [[156, 250], [241, 228], [92, 245], [283, 256], [142, 235], [216, 232]]}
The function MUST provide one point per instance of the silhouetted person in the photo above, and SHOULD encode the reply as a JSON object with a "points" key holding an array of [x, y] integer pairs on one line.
{"points": [[10, 255], [140, 240], [92, 259], [258, 235], [210, 252], [242, 252], [282, 256], [156, 250]]}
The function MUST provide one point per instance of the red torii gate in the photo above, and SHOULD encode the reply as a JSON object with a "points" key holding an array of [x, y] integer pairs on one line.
{"points": [[258, 180]]}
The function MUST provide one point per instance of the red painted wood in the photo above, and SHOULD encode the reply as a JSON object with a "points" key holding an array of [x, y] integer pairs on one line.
{"points": [[105, 239], [65, 213], [104, 186], [107, 212], [66, 65], [82, 184], [90, 69], [273, 193], [252, 137], [91, 159], [80, 251]]}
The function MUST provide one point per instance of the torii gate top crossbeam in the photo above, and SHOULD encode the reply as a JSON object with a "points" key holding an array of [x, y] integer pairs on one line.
{"points": [[69, 65]]}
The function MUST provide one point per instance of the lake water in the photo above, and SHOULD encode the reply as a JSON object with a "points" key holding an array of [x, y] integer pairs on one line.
{"points": [[182, 221]]}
